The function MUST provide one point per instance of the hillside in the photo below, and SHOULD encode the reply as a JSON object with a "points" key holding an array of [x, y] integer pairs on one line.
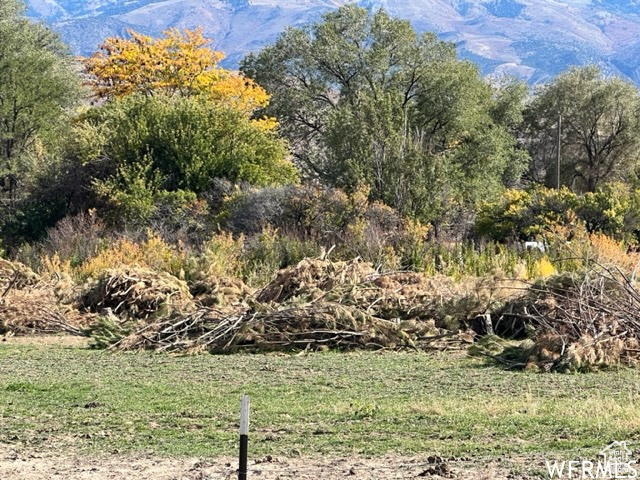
{"points": [[534, 39]]}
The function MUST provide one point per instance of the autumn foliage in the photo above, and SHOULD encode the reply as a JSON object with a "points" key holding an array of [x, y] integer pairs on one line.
{"points": [[180, 63]]}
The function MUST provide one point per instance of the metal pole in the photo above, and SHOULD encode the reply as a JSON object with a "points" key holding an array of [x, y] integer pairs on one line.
{"points": [[244, 437], [559, 151]]}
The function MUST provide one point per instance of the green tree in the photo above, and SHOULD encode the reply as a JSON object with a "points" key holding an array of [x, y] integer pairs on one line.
{"points": [[144, 147], [37, 87], [600, 129], [365, 100]]}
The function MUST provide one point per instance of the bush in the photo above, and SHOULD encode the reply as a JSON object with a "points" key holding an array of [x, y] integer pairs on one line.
{"points": [[220, 257], [574, 249], [461, 260], [613, 210], [311, 217], [152, 253], [524, 214], [271, 251], [76, 239], [189, 141], [73, 240]]}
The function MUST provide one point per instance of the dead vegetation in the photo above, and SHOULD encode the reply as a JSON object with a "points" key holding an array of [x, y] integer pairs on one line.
{"points": [[319, 304], [15, 275], [29, 304], [312, 326], [135, 293], [221, 292], [312, 278], [572, 322], [566, 322], [38, 310]]}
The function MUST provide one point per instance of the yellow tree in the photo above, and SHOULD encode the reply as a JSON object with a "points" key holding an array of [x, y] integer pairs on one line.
{"points": [[179, 63]]}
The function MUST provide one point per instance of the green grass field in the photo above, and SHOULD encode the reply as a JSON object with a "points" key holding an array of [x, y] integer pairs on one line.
{"points": [[52, 397]]}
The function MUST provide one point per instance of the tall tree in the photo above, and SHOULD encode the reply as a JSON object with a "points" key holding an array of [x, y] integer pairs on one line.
{"points": [[600, 120], [180, 63], [364, 100], [37, 86]]}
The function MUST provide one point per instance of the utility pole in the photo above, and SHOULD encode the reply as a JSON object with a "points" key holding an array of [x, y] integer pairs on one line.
{"points": [[559, 151]]}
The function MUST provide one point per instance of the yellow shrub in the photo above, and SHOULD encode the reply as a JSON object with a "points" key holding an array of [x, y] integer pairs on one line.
{"points": [[609, 251], [575, 248], [542, 268], [52, 266], [154, 254]]}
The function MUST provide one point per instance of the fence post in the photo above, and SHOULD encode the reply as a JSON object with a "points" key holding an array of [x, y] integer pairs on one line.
{"points": [[244, 437]]}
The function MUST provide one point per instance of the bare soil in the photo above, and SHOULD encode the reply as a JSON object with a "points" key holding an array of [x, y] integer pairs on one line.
{"points": [[64, 341], [34, 466]]}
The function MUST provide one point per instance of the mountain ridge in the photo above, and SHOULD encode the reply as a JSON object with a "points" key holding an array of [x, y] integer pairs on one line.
{"points": [[533, 39]]}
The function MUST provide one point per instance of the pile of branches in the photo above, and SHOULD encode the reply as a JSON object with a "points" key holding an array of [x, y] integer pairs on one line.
{"points": [[577, 322], [316, 304], [294, 327], [221, 292], [15, 275], [311, 278], [135, 293], [389, 296], [31, 305], [37, 311], [412, 296]]}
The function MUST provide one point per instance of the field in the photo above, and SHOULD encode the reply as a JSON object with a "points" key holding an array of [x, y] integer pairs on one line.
{"points": [[372, 412]]}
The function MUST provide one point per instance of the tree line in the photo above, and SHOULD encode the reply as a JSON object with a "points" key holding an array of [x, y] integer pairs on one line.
{"points": [[147, 129]]}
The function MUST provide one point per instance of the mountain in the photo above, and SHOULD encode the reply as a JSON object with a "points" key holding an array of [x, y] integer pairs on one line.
{"points": [[533, 39]]}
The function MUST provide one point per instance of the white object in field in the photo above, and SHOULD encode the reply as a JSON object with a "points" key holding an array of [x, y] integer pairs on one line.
{"points": [[535, 246], [244, 415]]}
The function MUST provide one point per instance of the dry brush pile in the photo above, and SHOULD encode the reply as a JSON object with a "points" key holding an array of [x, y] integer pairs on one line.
{"points": [[571, 322], [316, 304], [30, 304], [135, 293]]}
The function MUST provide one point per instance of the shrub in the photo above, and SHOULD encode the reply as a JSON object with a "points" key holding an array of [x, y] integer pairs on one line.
{"points": [[574, 249], [152, 253], [311, 217], [76, 239], [613, 210], [414, 246], [73, 240], [465, 259], [271, 251], [542, 268], [186, 142], [249, 212], [524, 214], [220, 257], [521, 215]]}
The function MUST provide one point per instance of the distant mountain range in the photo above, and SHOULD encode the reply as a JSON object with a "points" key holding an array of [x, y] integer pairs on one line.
{"points": [[533, 39]]}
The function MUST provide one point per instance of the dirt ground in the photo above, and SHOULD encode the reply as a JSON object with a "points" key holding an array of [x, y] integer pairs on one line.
{"points": [[34, 466], [68, 341]]}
